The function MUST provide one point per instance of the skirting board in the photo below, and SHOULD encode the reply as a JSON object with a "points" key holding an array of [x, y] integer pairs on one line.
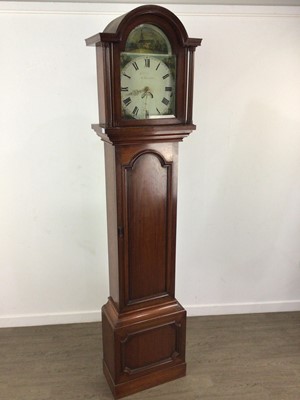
{"points": [[242, 308], [11, 321], [195, 310]]}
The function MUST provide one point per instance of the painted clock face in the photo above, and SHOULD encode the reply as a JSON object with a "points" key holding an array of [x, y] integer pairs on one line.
{"points": [[148, 78], [147, 89]]}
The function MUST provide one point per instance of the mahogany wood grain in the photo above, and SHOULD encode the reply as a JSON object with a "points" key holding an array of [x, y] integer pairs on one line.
{"points": [[147, 201]]}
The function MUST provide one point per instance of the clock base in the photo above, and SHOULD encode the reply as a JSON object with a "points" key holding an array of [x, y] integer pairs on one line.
{"points": [[143, 348], [137, 385]]}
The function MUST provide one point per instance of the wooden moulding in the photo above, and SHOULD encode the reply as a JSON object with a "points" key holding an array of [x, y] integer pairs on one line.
{"points": [[172, 133]]}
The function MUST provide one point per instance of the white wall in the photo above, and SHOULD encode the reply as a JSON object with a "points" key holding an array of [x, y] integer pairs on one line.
{"points": [[239, 183]]}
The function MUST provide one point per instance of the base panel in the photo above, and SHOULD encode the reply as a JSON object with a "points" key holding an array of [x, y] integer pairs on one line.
{"points": [[144, 348]]}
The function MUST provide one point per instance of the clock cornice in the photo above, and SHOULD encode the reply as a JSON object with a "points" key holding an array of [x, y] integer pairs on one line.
{"points": [[114, 32], [130, 135]]}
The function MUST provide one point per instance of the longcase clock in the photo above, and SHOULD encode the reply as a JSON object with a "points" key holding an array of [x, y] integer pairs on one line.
{"points": [[145, 73]]}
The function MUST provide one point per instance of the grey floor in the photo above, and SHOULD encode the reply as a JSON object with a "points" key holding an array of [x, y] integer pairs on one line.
{"points": [[246, 357]]}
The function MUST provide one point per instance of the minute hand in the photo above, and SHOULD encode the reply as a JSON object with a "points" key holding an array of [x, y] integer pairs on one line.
{"points": [[136, 92], [146, 93]]}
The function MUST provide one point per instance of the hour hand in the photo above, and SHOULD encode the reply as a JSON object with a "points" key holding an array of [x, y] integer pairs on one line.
{"points": [[146, 92], [135, 92]]}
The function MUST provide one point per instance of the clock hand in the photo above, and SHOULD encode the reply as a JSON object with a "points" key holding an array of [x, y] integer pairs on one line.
{"points": [[136, 92], [144, 95], [146, 92]]}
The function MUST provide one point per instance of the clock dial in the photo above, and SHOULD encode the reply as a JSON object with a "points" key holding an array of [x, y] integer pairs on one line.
{"points": [[147, 88]]}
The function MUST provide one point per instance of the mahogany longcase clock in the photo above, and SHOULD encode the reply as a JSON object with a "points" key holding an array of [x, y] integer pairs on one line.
{"points": [[145, 72]]}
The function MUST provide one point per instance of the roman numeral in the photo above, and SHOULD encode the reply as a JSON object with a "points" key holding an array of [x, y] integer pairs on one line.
{"points": [[127, 101], [147, 62], [165, 76], [157, 67], [124, 89], [135, 111], [165, 101], [135, 65], [168, 89], [127, 76], [157, 110]]}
